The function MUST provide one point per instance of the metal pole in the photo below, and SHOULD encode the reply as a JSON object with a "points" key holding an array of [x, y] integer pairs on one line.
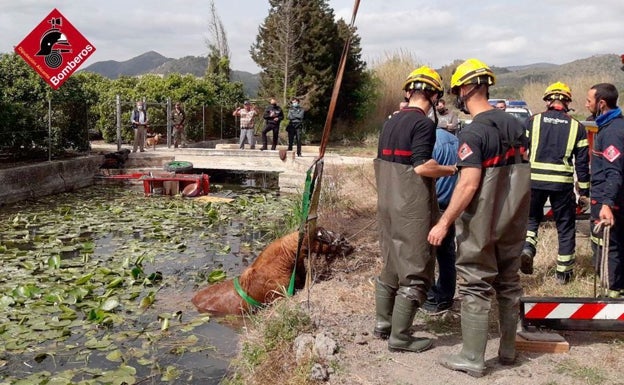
{"points": [[49, 128], [204, 122], [118, 109], [221, 116], [169, 126]]}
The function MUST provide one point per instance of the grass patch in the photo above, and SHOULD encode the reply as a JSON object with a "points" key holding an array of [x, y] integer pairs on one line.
{"points": [[590, 375], [542, 282], [267, 356]]}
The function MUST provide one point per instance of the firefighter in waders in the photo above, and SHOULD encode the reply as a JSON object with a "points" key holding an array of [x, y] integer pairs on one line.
{"points": [[607, 185], [490, 207], [558, 146], [407, 206]]}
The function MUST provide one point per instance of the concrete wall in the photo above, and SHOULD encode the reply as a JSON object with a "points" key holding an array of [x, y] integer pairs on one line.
{"points": [[47, 178]]}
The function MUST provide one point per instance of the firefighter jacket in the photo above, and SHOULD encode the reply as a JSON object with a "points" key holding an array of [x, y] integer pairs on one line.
{"points": [[558, 146], [608, 163]]}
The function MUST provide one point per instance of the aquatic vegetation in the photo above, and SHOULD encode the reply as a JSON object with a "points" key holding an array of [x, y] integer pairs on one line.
{"points": [[95, 284]]}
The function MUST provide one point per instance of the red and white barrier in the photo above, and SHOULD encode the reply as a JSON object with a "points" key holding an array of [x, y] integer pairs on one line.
{"points": [[573, 313]]}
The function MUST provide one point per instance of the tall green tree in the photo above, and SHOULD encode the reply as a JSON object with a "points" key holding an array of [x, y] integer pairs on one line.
{"points": [[298, 48]]}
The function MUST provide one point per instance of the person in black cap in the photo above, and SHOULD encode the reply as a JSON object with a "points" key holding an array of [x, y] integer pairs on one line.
{"points": [[247, 116]]}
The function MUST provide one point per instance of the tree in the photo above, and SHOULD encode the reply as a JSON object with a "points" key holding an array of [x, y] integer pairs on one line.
{"points": [[218, 48], [24, 113], [298, 48]]}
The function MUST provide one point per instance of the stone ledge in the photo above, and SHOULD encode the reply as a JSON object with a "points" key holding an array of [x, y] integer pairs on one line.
{"points": [[45, 178]]}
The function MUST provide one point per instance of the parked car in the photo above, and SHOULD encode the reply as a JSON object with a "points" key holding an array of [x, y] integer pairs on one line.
{"points": [[519, 104], [520, 113]]}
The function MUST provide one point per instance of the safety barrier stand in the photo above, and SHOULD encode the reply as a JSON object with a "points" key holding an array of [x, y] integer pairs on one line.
{"points": [[565, 313]]}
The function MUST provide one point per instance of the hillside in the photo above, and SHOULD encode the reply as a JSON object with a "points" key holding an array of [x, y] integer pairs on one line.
{"points": [[510, 80], [154, 63], [139, 65]]}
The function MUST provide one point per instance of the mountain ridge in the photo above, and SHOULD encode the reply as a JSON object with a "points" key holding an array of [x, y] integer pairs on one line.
{"points": [[509, 79], [152, 62]]}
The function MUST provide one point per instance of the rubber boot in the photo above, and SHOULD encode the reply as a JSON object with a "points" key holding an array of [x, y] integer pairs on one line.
{"points": [[384, 302], [402, 317], [508, 314], [474, 337]]}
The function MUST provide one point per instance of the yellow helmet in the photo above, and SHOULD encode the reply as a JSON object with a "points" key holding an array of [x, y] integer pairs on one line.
{"points": [[424, 78], [472, 71], [558, 91]]}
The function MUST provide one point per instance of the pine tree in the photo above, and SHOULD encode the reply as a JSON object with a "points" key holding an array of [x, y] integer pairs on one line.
{"points": [[298, 48]]}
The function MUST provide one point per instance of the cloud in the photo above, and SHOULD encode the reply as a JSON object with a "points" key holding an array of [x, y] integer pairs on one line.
{"points": [[497, 32]]}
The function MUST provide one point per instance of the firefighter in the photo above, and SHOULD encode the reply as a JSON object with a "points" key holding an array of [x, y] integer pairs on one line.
{"points": [[558, 147], [405, 172], [489, 206], [607, 186]]}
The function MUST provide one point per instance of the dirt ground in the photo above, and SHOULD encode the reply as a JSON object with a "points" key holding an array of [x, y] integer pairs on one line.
{"points": [[343, 306]]}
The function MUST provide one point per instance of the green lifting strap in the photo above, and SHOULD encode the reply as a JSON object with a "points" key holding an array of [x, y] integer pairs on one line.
{"points": [[305, 209], [252, 302]]}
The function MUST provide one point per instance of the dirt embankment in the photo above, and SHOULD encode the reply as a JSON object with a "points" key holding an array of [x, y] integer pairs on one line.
{"points": [[343, 307]]}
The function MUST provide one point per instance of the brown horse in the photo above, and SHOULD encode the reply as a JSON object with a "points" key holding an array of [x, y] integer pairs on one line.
{"points": [[269, 275]]}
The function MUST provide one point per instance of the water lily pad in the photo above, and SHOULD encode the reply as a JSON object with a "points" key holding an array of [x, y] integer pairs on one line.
{"points": [[74, 306], [115, 356], [109, 304]]}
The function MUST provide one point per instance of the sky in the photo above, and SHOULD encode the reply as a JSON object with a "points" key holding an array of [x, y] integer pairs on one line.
{"points": [[500, 33]]}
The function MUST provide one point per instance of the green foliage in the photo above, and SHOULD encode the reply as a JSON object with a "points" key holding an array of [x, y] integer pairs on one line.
{"points": [[309, 59], [87, 102], [24, 111], [286, 326], [194, 93]]}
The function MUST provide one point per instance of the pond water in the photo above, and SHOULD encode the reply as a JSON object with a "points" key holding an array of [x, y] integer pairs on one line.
{"points": [[96, 285]]}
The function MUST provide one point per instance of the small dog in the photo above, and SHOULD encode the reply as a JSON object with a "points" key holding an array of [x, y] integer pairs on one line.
{"points": [[152, 141]]}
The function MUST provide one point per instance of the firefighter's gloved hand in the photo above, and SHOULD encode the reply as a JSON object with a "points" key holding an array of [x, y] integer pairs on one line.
{"points": [[583, 202]]}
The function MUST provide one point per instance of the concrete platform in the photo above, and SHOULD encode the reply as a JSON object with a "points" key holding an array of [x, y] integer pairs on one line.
{"points": [[227, 156]]}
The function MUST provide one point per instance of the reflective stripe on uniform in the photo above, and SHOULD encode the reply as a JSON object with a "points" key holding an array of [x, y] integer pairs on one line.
{"points": [[571, 140], [552, 178], [565, 263], [558, 173], [596, 240], [565, 258]]}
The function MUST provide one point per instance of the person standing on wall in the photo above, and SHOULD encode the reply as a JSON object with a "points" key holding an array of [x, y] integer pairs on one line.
{"points": [[295, 125], [558, 147], [607, 182], [178, 118], [490, 207], [247, 116], [440, 296], [273, 116], [406, 209], [138, 119]]}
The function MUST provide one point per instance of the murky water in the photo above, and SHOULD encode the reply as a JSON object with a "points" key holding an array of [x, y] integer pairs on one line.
{"points": [[81, 299]]}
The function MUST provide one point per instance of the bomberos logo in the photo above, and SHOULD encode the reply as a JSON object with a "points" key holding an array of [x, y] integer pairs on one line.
{"points": [[55, 49]]}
